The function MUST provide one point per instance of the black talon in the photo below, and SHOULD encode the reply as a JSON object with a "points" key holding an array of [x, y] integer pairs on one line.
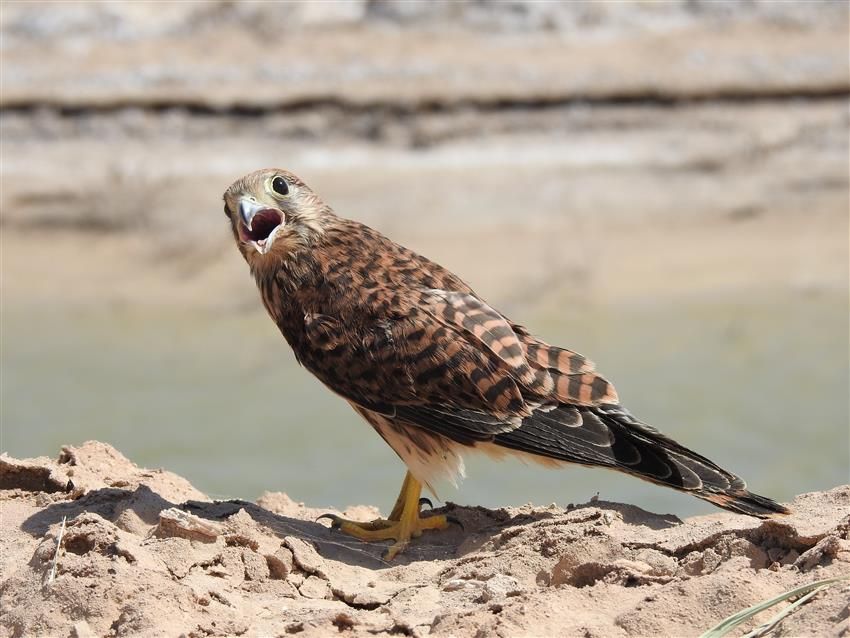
{"points": [[425, 501], [455, 521], [335, 520]]}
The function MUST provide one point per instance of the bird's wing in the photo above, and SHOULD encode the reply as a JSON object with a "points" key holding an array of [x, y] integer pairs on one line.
{"points": [[415, 360], [545, 372], [450, 363], [573, 375]]}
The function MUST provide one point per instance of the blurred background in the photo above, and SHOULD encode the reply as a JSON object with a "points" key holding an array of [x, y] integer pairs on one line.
{"points": [[662, 186]]}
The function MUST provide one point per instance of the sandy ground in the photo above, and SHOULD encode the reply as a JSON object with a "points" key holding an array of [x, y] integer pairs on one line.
{"points": [[146, 554]]}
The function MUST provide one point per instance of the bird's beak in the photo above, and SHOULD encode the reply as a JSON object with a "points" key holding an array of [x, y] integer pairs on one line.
{"points": [[261, 224], [248, 207]]}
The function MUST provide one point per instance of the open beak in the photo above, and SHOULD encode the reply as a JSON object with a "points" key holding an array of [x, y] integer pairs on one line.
{"points": [[260, 225]]}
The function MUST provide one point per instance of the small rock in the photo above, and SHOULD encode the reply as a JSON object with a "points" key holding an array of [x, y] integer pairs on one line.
{"points": [[242, 530], [240, 519], [361, 513], [692, 564], [256, 567], [81, 629], [279, 503], [742, 547], [130, 521], [180, 524], [124, 549], [231, 560], [225, 627], [175, 554], [500, 586], [828, 546], [306, 556], [30, 475], [43, 499], [607, 518], [315, 588], [343, 621], [240, 540], [280, 563], [710, 561], [372, 596], [660, 564], [218, 570], [775, 554], [456, 584]]}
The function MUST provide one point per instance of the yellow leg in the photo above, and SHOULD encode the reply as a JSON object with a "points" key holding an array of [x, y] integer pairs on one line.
{"points": [[395, 514], [403, 523]]}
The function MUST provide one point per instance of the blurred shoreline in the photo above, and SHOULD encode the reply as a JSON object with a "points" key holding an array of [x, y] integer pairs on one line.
{"points": [[608, 203], [418, 55], [608, 150]]}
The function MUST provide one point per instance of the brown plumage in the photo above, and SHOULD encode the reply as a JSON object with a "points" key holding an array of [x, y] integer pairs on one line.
{"points": [[434, 368]]}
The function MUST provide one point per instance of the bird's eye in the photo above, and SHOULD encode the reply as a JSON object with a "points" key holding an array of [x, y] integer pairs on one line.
{"points": [[280, 186]]}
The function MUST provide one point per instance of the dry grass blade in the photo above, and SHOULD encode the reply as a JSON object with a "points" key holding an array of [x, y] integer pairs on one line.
{"points": [[728, 624], [767, 627], [52, 575]]}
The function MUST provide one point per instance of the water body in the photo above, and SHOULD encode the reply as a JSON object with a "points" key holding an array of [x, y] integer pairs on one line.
{"points": [[757, 382]]}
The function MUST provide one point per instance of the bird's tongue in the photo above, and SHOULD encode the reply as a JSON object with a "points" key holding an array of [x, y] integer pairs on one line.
{"points": [[262, 224]]}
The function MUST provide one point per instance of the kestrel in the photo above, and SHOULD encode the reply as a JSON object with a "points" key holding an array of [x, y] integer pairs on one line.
{"points": [[433, 368]]}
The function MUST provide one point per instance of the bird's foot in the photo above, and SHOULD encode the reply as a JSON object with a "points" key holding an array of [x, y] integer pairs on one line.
{"points": [[403, 523], [382, 529]]}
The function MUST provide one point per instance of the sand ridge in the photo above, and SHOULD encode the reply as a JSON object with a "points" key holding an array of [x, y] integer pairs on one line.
{"points": [[146, 554]]}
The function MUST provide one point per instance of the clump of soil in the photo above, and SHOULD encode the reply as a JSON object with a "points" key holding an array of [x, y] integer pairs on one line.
{"points": [[143, 553]]}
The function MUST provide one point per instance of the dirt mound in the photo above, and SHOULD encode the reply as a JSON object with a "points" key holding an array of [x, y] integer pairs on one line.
{"points": [[144, 553]]}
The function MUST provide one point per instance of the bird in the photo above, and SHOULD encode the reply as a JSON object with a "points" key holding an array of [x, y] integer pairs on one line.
{"points": [[435, 369]]}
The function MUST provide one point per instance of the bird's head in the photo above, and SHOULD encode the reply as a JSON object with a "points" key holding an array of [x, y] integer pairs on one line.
{"points": [[273, 214]]}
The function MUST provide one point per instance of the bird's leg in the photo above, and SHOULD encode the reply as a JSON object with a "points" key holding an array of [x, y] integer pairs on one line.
{"points": [[395, 514], [403, 523]]}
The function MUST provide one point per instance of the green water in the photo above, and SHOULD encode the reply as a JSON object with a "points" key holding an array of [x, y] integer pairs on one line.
{"points": [[758, 383]]}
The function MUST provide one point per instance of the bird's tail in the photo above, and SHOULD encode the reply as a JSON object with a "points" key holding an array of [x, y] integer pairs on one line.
{"points": [[609, 436], [743, 501]]}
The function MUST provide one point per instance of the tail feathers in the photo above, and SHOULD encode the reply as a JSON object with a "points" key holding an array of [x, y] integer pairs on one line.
{"points": [[745, 502], [609, 436]]}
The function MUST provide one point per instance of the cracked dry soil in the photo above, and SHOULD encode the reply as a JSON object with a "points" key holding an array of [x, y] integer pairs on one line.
{"points": [[144, 553]]}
